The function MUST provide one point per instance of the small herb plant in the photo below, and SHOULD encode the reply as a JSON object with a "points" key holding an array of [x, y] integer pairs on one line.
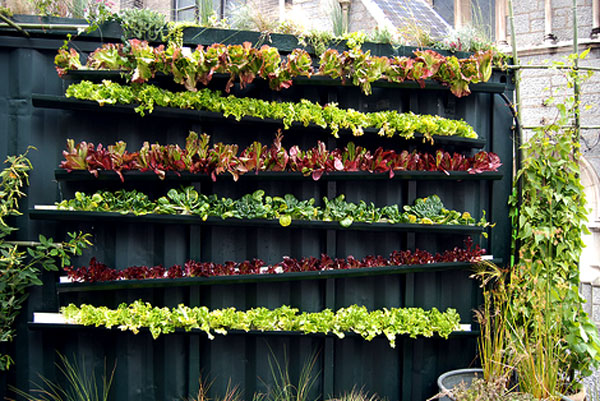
{"points": [[21, 262], [187, 201], [198, 158], [389, 122], [97, 271], [142, 62], [353, 319]]}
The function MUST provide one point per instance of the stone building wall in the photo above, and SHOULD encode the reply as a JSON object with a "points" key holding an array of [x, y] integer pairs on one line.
{"points": [[269, 9], [537, 85], [360, 19], [311, 14], [529, 20], [162, 6]]}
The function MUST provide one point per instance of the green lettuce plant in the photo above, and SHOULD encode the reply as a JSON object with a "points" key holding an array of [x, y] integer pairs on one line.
{"points": [[187, 201], [353, 319], [388, 123]]}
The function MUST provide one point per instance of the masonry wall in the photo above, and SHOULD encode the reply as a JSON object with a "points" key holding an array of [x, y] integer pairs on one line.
{"points": [[540, 84], [312, 14], [360, 19], [529, 20]]}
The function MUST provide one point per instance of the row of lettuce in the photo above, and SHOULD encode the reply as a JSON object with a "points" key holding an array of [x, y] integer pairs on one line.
{"points": [[389, 322], [189, 202], [198, 156], [97, 271], [141, 62], [192, 68]]}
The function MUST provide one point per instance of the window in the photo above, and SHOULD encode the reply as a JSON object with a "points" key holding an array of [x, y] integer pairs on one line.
{"points": [[191, 10], [131, 4], [185, 10]]}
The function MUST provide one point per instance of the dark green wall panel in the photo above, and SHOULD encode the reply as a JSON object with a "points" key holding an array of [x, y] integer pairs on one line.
{"points": [[169, 368]]}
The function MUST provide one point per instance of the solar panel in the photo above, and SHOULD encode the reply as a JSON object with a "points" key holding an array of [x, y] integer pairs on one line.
{"points": [[414, 12]]}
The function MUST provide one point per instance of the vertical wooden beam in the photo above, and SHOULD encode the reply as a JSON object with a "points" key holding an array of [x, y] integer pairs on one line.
{"points": [[194, 300], [500, 15], [576, 86], [462, 13], [409, 300], [548, 35], [281, 10], [328, 348], [194, 253], [595, 34], [331, 250], [345, 4]]}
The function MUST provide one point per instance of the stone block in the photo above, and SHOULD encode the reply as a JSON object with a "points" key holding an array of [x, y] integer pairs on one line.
{"points": [[529, 39], [562, 4], [560, 22], [528, 7], [521, 23], [586, 292], [596, 295], [536, 25], [595, 313]]}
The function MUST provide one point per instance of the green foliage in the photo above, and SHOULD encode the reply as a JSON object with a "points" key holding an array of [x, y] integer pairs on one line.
{"points": [[355, 319], [547, 229], [143, 23], [206, 12], [58, 8], [99, 12], [194, 67], [20, 263], [187, 201], [330, 116], [79, 385], [469, 38], [495, 349], [7, 12], [334, 9], [383, 34], [318, 40]]}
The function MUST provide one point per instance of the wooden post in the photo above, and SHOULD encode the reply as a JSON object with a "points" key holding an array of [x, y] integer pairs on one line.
{"points": [[345, 4], [281, 10], [501, 22], [548, 35], [595, 34], [462, 13]]}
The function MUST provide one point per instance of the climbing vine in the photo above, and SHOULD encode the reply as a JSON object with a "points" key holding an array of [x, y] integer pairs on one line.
{"points": [[547, 241], [21, 263]]}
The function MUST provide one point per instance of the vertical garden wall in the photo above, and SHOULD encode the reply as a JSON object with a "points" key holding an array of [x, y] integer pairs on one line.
{"points": [[35, 112]]}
